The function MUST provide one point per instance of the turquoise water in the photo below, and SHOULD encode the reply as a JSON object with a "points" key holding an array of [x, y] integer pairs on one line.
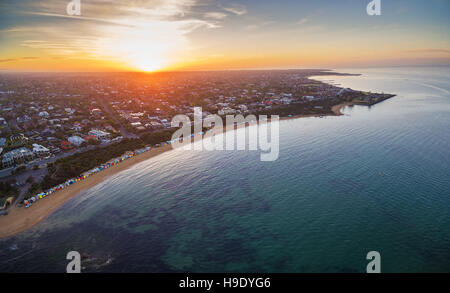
{"points": [[376, 178]]}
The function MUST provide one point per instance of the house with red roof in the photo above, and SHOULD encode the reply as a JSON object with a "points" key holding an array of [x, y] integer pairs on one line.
{"points": [[66, 145]]}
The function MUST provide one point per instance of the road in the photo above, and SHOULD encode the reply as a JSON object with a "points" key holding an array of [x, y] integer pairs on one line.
{"points": [[125, 133]]}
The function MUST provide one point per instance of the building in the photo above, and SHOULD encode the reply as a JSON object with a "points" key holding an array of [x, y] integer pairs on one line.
{"points": [[140, 128], [101, 135], [308, 98], [136, 124], [343, 91], [96, 111], [23, 119], [69, 110], [154, 125], [226, 111], [7, 161], [286, 100], [44, 114], [17, 137], [90, 137], [76, 140], [17, 156], [66, 145], [77, 128], [40, 151], [243, 108]]}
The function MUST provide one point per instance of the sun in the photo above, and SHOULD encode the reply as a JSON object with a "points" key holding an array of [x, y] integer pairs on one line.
{"points": [[147, 56], [146, 45], [148, 64]]}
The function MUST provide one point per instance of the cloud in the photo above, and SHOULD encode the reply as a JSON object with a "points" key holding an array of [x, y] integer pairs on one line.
{"points": [[237, 9], [73, 18], [311, 28], [18, 59], [140, 33], [8, 60], [260, 25], [215, 15], [427, 51], [303, 20], [309, 17]]}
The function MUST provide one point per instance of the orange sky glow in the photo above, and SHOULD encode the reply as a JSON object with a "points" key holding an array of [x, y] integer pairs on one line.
{"points": [[166, 35]]}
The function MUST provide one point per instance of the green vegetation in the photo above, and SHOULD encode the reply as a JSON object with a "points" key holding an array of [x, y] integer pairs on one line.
{"points": [[20, 169], [7, 189], [153, 138], [33, 190], [2, 201], [11, 145], [69, 167], [74, 165]]}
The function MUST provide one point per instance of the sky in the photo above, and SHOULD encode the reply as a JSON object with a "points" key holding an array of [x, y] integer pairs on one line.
{"points": [[152, 35]]}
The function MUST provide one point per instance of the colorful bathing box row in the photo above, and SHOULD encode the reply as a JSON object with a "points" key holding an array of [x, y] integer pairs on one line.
{"points": [[85, 175]]}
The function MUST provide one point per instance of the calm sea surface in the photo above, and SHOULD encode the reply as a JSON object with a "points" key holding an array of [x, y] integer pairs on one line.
{"points": [[377, 178]]}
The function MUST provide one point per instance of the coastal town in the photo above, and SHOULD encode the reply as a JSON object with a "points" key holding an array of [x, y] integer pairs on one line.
{"points": [[55, 127]]}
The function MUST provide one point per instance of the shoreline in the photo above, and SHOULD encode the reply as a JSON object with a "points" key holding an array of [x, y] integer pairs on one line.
{"points": [[19, 219], [337, 108]]}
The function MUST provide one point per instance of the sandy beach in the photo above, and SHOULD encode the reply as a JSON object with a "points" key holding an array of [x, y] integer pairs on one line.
{"points": [[337, 108], [20, 219]]}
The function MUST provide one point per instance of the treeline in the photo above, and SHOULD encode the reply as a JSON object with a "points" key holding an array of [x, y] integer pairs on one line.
{"points": [[72, 166], [296, 109], [153, 138], [8, 189]]}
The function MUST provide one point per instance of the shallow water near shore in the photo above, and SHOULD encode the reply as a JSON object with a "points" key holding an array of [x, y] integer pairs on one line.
{"points": [[376, 178]]}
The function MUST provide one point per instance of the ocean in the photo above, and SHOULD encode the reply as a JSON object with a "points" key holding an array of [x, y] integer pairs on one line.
{"points": [[375, 179]]}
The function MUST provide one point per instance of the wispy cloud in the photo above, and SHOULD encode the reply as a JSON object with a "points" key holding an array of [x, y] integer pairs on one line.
{"points": [[237, 9], [260, 25], [74, 18], [135, 33], [215, 15], [18, 59], [303, 20], [8, 60], [311, 28], [427, 51]]}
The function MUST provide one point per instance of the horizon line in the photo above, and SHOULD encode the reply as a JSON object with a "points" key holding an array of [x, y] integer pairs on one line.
{"points": [[225, 70]]}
